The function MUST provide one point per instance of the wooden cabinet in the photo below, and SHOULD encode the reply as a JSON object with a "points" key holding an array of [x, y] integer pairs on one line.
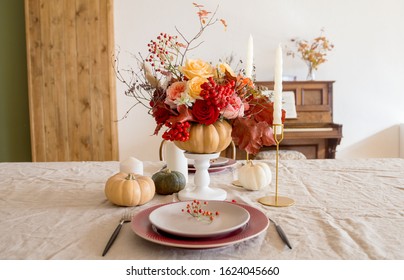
{"points": [[71, 81]]}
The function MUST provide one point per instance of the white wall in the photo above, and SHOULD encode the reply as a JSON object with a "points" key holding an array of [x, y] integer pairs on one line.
{"points": [[402, 140], [367, 63]]}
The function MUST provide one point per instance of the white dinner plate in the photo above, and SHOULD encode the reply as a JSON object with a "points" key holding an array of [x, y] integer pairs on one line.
{"points": [[142, 227], [174, 219]]}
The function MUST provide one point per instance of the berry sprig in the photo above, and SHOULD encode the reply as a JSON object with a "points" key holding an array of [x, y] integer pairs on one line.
{"points": [[195, 210], [177, 131], [163, 51], [217, 94]]}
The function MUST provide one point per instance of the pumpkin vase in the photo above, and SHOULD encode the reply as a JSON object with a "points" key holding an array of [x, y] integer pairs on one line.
{"points": [[207, 139]]}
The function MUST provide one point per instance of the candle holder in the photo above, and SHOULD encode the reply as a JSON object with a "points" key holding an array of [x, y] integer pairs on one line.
{"points": [[277, 201], [201, 189]]}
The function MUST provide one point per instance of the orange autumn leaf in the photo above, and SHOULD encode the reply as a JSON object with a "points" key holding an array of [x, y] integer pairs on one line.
{"points": [[251, 136], [203, 14], [197, 5], [224, 23], [255, 131]]}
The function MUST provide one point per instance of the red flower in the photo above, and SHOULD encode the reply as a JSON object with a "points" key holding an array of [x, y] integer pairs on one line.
{"points": [[204, 112], [161, 113]]}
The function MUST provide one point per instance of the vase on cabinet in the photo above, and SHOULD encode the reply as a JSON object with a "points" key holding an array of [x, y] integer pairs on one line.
{"points": [[311, 74]]}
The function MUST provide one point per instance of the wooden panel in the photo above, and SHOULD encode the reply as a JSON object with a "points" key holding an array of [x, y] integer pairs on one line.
{"points": [[74, 123], [71, 80], [312, 97], [313, 100], [35, 78]]}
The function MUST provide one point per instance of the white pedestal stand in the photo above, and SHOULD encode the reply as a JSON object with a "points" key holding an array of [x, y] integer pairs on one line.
{"points": [[201, 189]]}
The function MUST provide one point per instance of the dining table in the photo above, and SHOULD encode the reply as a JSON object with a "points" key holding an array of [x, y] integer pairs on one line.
{"points": [[344, 209]]}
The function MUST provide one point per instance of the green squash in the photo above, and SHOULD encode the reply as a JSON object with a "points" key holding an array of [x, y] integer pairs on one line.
{"points": [[168, 182]]}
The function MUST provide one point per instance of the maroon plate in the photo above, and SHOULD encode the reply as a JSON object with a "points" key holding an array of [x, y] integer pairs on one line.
{"points": [[144, 229]]}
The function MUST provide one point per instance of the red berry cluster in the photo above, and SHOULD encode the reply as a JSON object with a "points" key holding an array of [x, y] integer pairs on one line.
{"points": [[195, 210], [177, 131], [160, 51], [217, 94]]}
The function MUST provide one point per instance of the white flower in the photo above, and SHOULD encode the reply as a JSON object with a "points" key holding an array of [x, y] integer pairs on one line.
{"points": [[185, 99]]}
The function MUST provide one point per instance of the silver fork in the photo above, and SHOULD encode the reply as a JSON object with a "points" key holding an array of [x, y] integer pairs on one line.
{"points": [[126, 218]]}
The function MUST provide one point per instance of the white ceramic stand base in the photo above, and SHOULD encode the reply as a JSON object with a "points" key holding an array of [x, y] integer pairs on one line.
{"points": [[201, 189]]}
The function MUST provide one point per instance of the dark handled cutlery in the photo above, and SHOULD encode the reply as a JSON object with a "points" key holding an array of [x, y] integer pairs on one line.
{"points": [[126, 218], [281, 233]]}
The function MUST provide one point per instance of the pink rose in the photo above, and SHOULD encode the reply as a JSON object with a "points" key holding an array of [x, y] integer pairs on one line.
{"points": [[234, 109], [174, 92]]}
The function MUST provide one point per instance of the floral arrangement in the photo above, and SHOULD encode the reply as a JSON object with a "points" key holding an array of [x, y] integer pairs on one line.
{"points": [[179, 91], [313, 53]]}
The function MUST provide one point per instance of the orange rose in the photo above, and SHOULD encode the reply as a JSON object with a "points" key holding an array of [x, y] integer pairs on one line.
{"points": [[224, 67], [194, 86], [196, 68]]}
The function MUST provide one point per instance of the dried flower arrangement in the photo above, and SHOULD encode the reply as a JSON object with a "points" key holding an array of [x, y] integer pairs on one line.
{"points": [[314, 52]]}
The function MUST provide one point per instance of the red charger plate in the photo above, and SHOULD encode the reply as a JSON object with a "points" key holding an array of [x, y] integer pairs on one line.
{"points": [[142, 227]]}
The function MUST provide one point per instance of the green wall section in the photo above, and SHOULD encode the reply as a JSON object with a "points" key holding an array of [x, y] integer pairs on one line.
{"points": [[14, 110]]}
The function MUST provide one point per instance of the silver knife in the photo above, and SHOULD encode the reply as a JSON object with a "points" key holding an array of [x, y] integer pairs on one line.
{"points": [[281, 233]]}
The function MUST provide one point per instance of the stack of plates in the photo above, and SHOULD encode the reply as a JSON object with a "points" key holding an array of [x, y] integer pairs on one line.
{"points": [[168, 225], [216, 165]]}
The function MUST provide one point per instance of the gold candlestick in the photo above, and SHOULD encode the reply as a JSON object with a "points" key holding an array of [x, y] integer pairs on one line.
{"points": [[277, 201]]}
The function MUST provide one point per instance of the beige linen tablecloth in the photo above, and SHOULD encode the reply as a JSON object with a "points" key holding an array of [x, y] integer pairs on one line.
{"points": [[345, 209]]}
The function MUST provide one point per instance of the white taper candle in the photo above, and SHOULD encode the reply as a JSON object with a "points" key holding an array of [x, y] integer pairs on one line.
{"points": [[250, 58], [278, 87]]}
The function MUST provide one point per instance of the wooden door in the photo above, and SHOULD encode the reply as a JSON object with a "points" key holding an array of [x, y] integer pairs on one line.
{"points": [[72, 93]]}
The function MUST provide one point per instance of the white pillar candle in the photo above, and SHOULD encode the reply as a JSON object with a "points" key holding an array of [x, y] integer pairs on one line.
{"points": [[278, 87], [250, 58], [175, 159], [131, 165]]}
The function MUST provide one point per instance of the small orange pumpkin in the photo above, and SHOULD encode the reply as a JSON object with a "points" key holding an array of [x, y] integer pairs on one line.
{"points": [[207, 139], [129, 189]]}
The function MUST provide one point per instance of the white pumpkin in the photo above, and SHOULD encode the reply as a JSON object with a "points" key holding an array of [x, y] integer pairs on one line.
{"points": [[254, 176]]}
